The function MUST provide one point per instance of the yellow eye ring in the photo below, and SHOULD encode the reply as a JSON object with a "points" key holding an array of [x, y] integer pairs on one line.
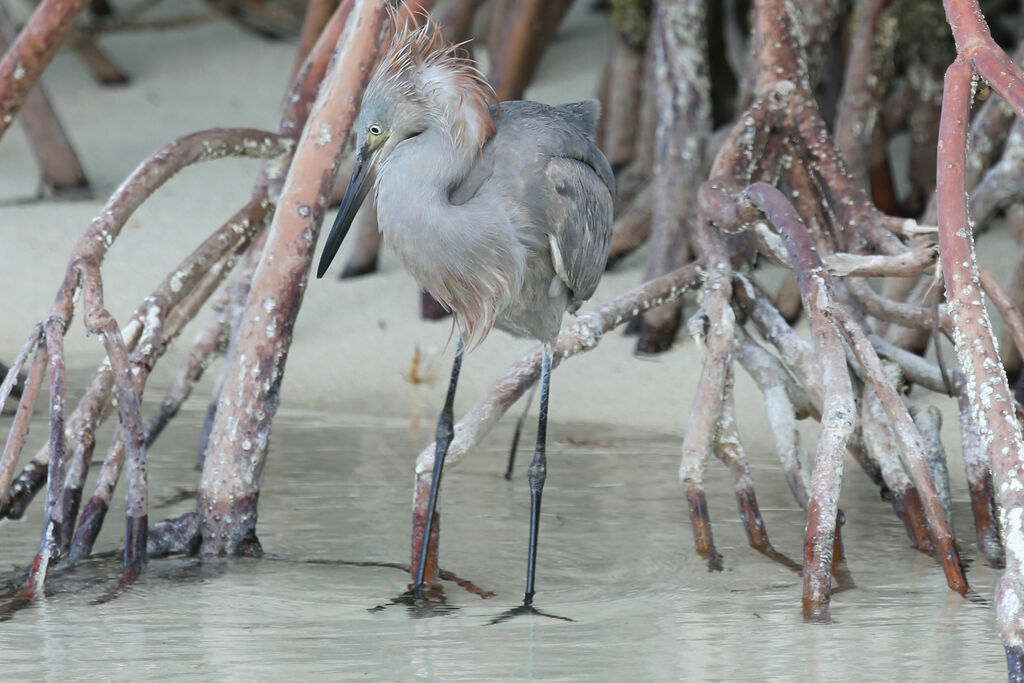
{"points": [[374, 129]]}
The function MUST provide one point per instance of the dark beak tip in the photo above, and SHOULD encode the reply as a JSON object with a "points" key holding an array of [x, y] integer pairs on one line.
{"points": [[358, 186]]}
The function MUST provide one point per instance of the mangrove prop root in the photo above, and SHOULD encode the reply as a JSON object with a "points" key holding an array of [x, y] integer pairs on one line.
{"points": [[989, 394]]}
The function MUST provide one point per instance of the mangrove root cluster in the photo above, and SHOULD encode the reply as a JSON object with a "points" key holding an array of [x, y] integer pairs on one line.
{"points": [[742, 133]]}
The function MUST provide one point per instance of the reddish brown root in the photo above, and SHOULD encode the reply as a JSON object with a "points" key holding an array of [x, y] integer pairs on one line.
{"points": [[816, 613], [72, 501], [136, 531], [657, 330], [24, 598], [908, 507], [757, 536], [419, 520], [88, 528], [102, 68], [30, 53], [840, 571], [985, 524], [788, 299], [883, 190], [817, 565], [465, 584], [228, 526], [520, 33], [702, 537]]}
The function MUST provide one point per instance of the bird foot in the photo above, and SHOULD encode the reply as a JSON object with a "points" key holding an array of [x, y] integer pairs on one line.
{"points": [[524, 609]]}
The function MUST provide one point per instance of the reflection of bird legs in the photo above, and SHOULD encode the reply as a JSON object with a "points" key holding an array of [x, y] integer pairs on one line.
{"points": [[524, 609], [419, 606]]}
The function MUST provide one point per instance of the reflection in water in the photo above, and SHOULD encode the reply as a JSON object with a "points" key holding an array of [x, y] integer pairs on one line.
{"points": [[524, 610], [616, 557]]}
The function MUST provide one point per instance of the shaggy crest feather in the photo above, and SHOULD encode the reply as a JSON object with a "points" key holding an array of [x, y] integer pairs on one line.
{"points": [[427, 68]]}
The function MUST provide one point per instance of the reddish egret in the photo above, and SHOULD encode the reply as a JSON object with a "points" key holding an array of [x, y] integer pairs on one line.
{"points": [[502, 212]]}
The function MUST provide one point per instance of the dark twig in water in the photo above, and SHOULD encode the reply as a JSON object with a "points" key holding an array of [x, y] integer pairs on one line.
{"points": [[23, 599]]}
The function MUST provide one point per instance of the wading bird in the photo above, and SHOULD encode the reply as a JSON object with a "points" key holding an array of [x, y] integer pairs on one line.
{"points": [[501, 212]]}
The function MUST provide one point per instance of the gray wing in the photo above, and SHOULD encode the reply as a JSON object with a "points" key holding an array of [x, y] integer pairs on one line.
{"points": [[528, 133], [547, 156], [579, 196]]}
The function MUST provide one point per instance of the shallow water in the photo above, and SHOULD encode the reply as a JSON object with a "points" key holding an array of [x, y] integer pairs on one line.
{"points": [[616, 556]]}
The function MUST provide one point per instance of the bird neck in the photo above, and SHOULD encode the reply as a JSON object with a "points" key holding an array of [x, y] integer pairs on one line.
{"points": [[429, 163], [462, 253]]}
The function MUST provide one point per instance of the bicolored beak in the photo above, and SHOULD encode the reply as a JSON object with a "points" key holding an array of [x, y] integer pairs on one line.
{"points": [[363, 174]]}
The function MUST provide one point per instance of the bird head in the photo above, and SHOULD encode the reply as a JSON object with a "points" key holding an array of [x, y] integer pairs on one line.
{"points": [[421, 83]]}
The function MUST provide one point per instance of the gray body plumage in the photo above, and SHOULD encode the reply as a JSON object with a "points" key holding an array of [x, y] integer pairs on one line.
{"points": [[516, 236]]}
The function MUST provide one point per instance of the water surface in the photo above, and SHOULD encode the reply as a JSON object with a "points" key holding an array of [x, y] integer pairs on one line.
{"points": [[616, 556]]}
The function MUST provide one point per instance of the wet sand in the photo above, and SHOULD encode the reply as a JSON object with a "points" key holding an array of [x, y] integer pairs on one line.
{"points": [[616, 556]]}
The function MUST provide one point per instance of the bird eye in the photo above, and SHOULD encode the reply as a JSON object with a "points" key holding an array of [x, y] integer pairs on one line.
{"points": [[375, 129]]}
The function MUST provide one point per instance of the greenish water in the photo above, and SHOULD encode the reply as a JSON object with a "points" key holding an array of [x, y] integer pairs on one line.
{"points": [[616, 556]]}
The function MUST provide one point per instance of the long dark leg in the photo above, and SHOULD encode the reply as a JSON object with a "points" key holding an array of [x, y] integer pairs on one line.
{"points": [[538, 472], [443, 437], [519, 432], [535, 475]]}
